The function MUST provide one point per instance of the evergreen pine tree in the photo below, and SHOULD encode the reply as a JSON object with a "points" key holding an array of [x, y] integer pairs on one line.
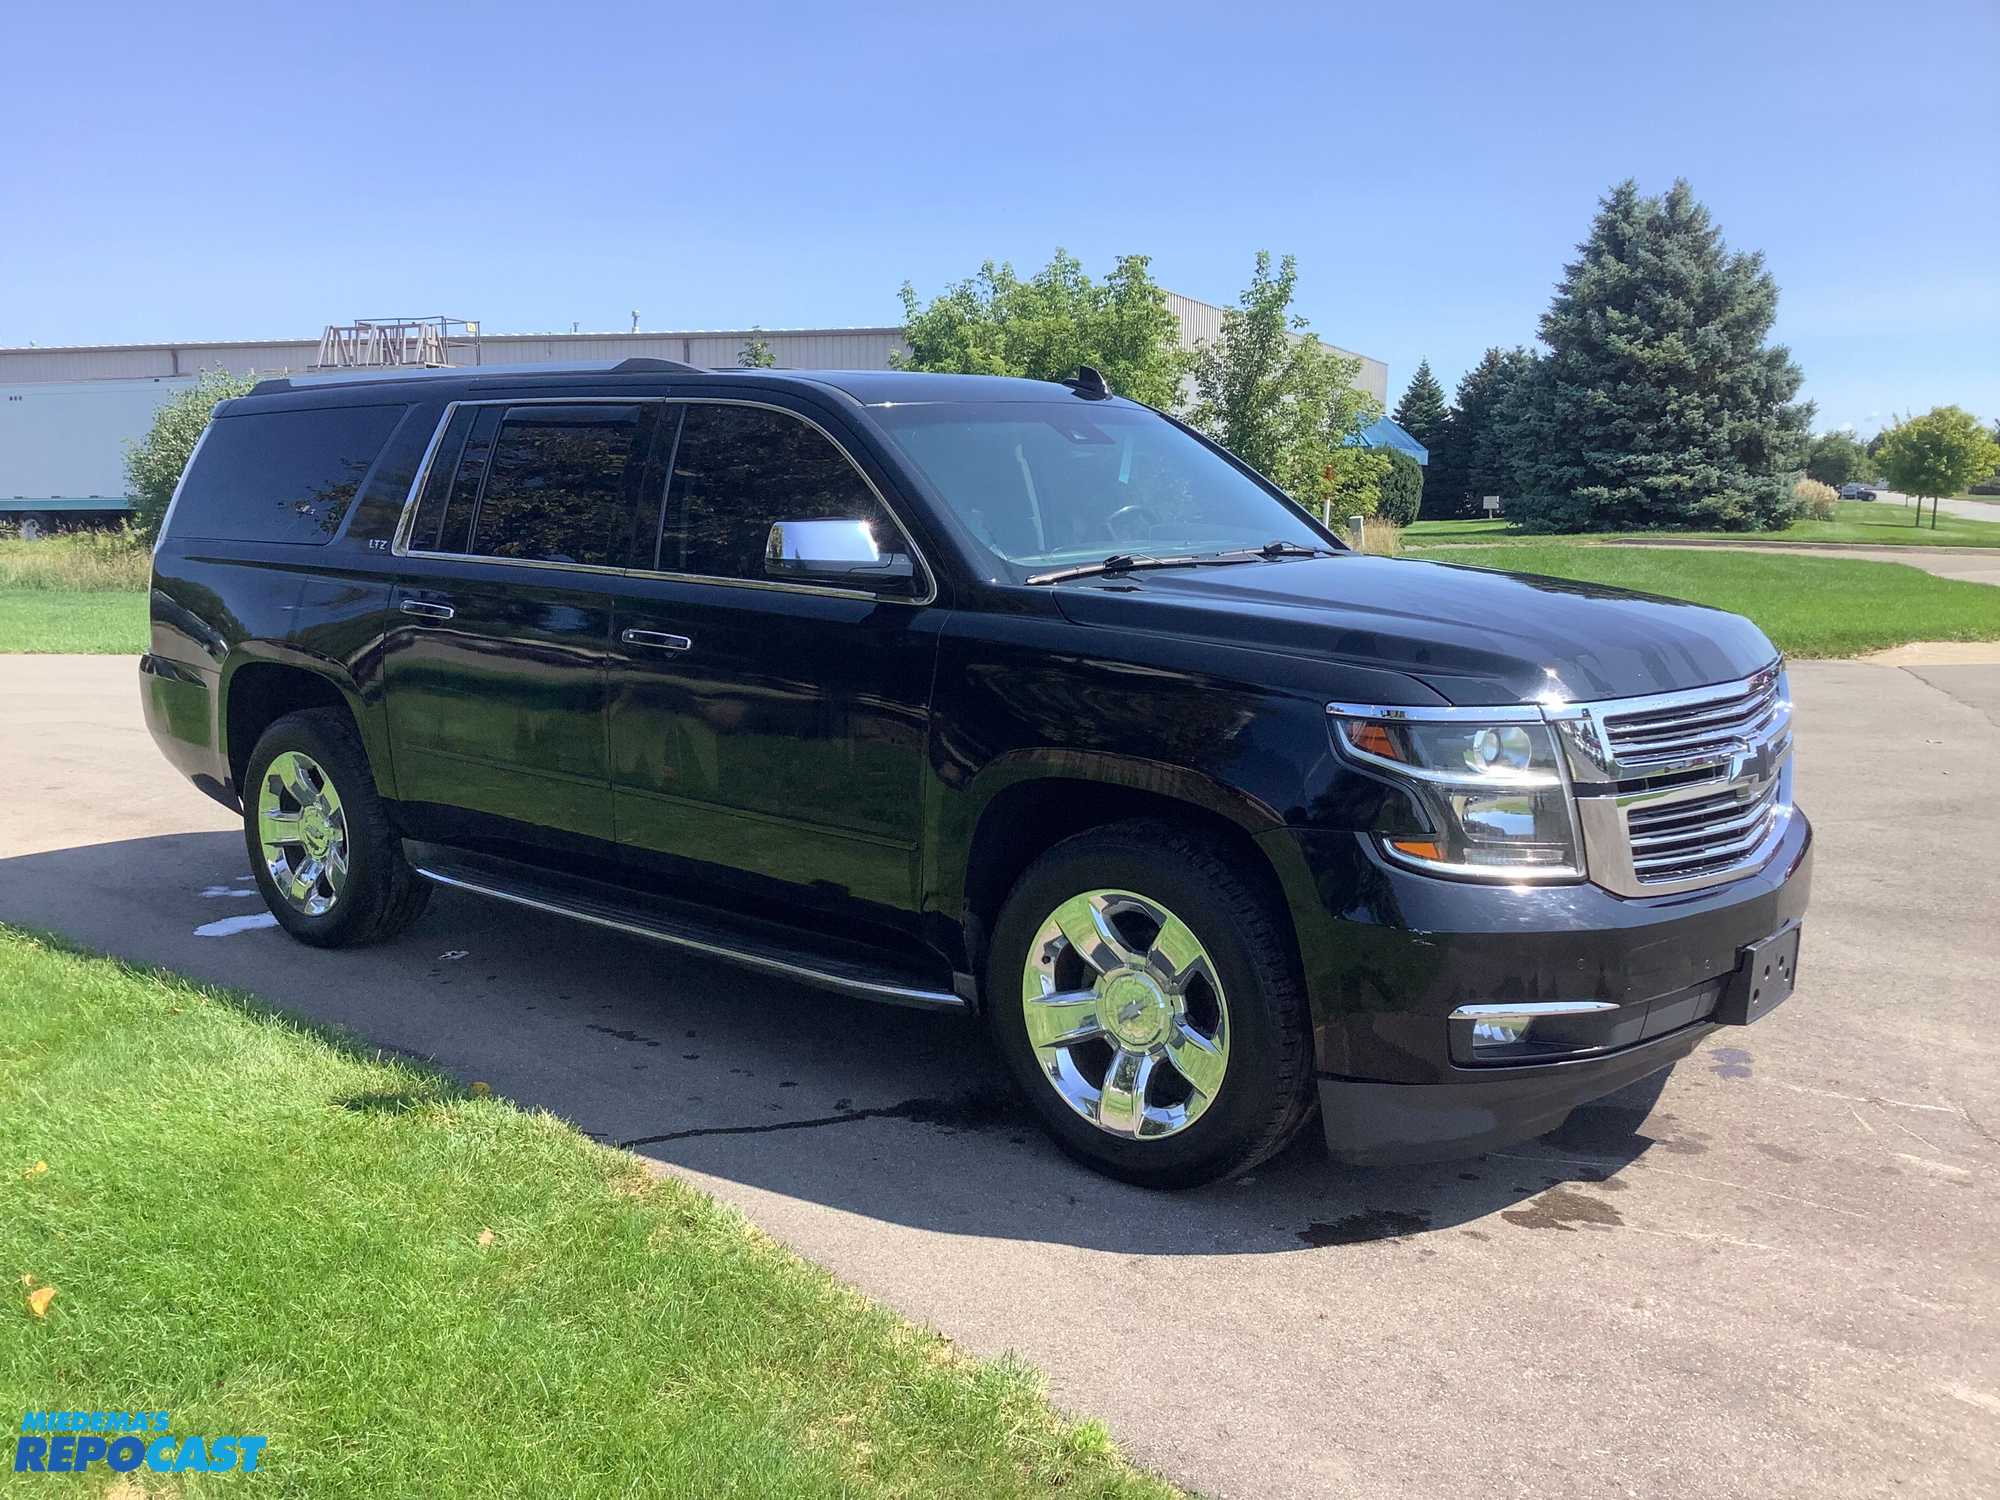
{"points": [[1659, 402], [1421, 412], [1468, 460]]}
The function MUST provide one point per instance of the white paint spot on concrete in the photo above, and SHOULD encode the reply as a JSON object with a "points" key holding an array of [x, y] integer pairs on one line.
{"points": [[217, 892], [1973, 1397], [455, 955], [230, 926], [1942, 1169]]}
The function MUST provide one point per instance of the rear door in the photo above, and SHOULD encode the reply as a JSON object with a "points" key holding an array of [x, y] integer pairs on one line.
{"points": [[768, 734], [495, 666]]}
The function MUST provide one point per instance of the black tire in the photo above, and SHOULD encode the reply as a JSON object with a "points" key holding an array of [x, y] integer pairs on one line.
{"points": [[1267, 1093], [381, 895]]}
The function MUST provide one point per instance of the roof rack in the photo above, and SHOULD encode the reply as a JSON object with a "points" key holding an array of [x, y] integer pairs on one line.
{"points": [[638, 364]]}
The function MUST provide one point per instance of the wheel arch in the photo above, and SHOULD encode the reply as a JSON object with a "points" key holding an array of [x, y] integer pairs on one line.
{"points": [[1025, 805], [259, 690]]}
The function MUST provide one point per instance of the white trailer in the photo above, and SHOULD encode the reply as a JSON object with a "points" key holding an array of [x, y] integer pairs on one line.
{"points": [[62, 447]]}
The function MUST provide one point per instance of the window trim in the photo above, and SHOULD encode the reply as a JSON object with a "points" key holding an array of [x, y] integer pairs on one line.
{"points": [[406, 523]]}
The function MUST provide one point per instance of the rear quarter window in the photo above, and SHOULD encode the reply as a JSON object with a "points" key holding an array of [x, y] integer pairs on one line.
{"points": [[283, 476]]}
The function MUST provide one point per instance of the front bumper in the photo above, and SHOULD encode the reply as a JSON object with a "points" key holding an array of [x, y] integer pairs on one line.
{"points": [[1382, 1124], [1390, 954]]}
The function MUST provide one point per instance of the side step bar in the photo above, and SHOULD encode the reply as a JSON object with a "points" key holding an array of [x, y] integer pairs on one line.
{"points": [[747, 942]]}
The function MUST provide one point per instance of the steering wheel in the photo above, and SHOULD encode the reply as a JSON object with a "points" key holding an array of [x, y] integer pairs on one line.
{"points": [[1111, 522]]}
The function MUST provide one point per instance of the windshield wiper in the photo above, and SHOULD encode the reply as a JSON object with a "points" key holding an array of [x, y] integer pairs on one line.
{"points": [[1127, 562], [1275, 550]]}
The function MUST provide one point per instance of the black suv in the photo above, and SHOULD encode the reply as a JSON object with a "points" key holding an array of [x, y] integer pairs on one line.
{"points": [[991, 695]]}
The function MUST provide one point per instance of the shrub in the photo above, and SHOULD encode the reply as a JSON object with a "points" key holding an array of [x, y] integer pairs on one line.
{"points": [[153, 464], [1551, 513], [1402, 490], [1821, 502]]}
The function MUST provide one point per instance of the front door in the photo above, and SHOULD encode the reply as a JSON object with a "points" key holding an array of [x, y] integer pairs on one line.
{"points": [[769, 734], [495, 665]]}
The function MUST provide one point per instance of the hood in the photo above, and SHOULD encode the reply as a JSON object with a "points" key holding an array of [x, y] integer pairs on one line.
{"points": [[1476, 636]]}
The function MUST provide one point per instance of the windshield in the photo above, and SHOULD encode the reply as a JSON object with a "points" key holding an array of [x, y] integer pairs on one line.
{"points": [[1043, 484]]}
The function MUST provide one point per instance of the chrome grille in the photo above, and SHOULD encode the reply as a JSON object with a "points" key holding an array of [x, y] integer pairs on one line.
{"points": [[1695, 731], [1700, 836], [1680, 791]]}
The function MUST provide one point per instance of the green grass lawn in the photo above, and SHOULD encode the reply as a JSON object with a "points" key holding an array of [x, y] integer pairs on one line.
{"points": [[41, 620], [1875, 522], [1809, 606], [411, 1289], [83, 591]]}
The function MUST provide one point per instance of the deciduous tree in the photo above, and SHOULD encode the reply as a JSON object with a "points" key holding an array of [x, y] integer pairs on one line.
{"points": [[1269, 391], [1937, 454], [994, 323], [756, 353], [1838, 458]]}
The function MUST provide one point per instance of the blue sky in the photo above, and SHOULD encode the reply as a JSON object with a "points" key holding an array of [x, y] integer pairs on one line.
{"points": [[203, 172]]}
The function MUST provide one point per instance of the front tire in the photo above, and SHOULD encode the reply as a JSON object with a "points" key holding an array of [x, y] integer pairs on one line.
{"points": [[1144, 990], [329, 865]]}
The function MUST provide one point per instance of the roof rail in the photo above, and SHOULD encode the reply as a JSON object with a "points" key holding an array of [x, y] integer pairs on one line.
{"points": [[646, 363], [638, 364]]}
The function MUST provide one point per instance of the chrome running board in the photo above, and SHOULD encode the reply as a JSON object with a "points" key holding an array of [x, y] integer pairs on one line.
{"points": [[714, 935]]}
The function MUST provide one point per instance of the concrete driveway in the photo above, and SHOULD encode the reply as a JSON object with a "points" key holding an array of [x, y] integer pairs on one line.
{"points": [[1783, 1280]]}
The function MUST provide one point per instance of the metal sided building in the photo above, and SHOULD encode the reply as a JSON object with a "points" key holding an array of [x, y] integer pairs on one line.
{"points": [[68, 412]]}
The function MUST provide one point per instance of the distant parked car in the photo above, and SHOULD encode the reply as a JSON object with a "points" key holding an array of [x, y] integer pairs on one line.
{"points": [[1856, 492]]}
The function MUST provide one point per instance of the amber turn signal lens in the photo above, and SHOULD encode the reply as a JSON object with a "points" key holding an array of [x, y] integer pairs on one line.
{"points": [[1419, 848], [1373, 739]]}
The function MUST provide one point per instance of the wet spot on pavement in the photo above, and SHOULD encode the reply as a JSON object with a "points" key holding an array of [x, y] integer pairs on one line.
{"points": [[982, 1109], [623, 1036], [1780, 1153], [1369, 1224], [1730, 1062], [1564, 1208]]}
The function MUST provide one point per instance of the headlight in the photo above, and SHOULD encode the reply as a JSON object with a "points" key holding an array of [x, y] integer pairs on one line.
{"points": [[1492, 797]]}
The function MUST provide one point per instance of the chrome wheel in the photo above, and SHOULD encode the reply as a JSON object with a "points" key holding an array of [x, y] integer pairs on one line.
{"points": [[303, 832], [1126, 1014]]}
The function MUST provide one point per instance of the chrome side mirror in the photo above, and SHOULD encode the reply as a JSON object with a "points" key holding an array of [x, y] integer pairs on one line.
{"points": [[843, 553]]}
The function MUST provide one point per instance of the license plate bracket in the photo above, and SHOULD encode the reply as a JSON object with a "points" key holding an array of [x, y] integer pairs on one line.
{"points": [[1766, 972]]}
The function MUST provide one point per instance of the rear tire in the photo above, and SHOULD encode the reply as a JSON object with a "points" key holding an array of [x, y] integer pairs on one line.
{"points": [[326, 859], [1186, 1079]]}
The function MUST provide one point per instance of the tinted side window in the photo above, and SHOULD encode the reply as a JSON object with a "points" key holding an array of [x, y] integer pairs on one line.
{"points": [[444, 518], [737, 470], [283, 476], [559, 484]]}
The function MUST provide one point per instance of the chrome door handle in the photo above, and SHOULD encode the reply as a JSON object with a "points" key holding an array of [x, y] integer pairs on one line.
{"points": [[659, 640], [428, 611]]}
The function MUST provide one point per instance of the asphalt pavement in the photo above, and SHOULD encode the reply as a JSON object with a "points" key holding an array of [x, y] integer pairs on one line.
{"points": [[1779, 1278]]}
